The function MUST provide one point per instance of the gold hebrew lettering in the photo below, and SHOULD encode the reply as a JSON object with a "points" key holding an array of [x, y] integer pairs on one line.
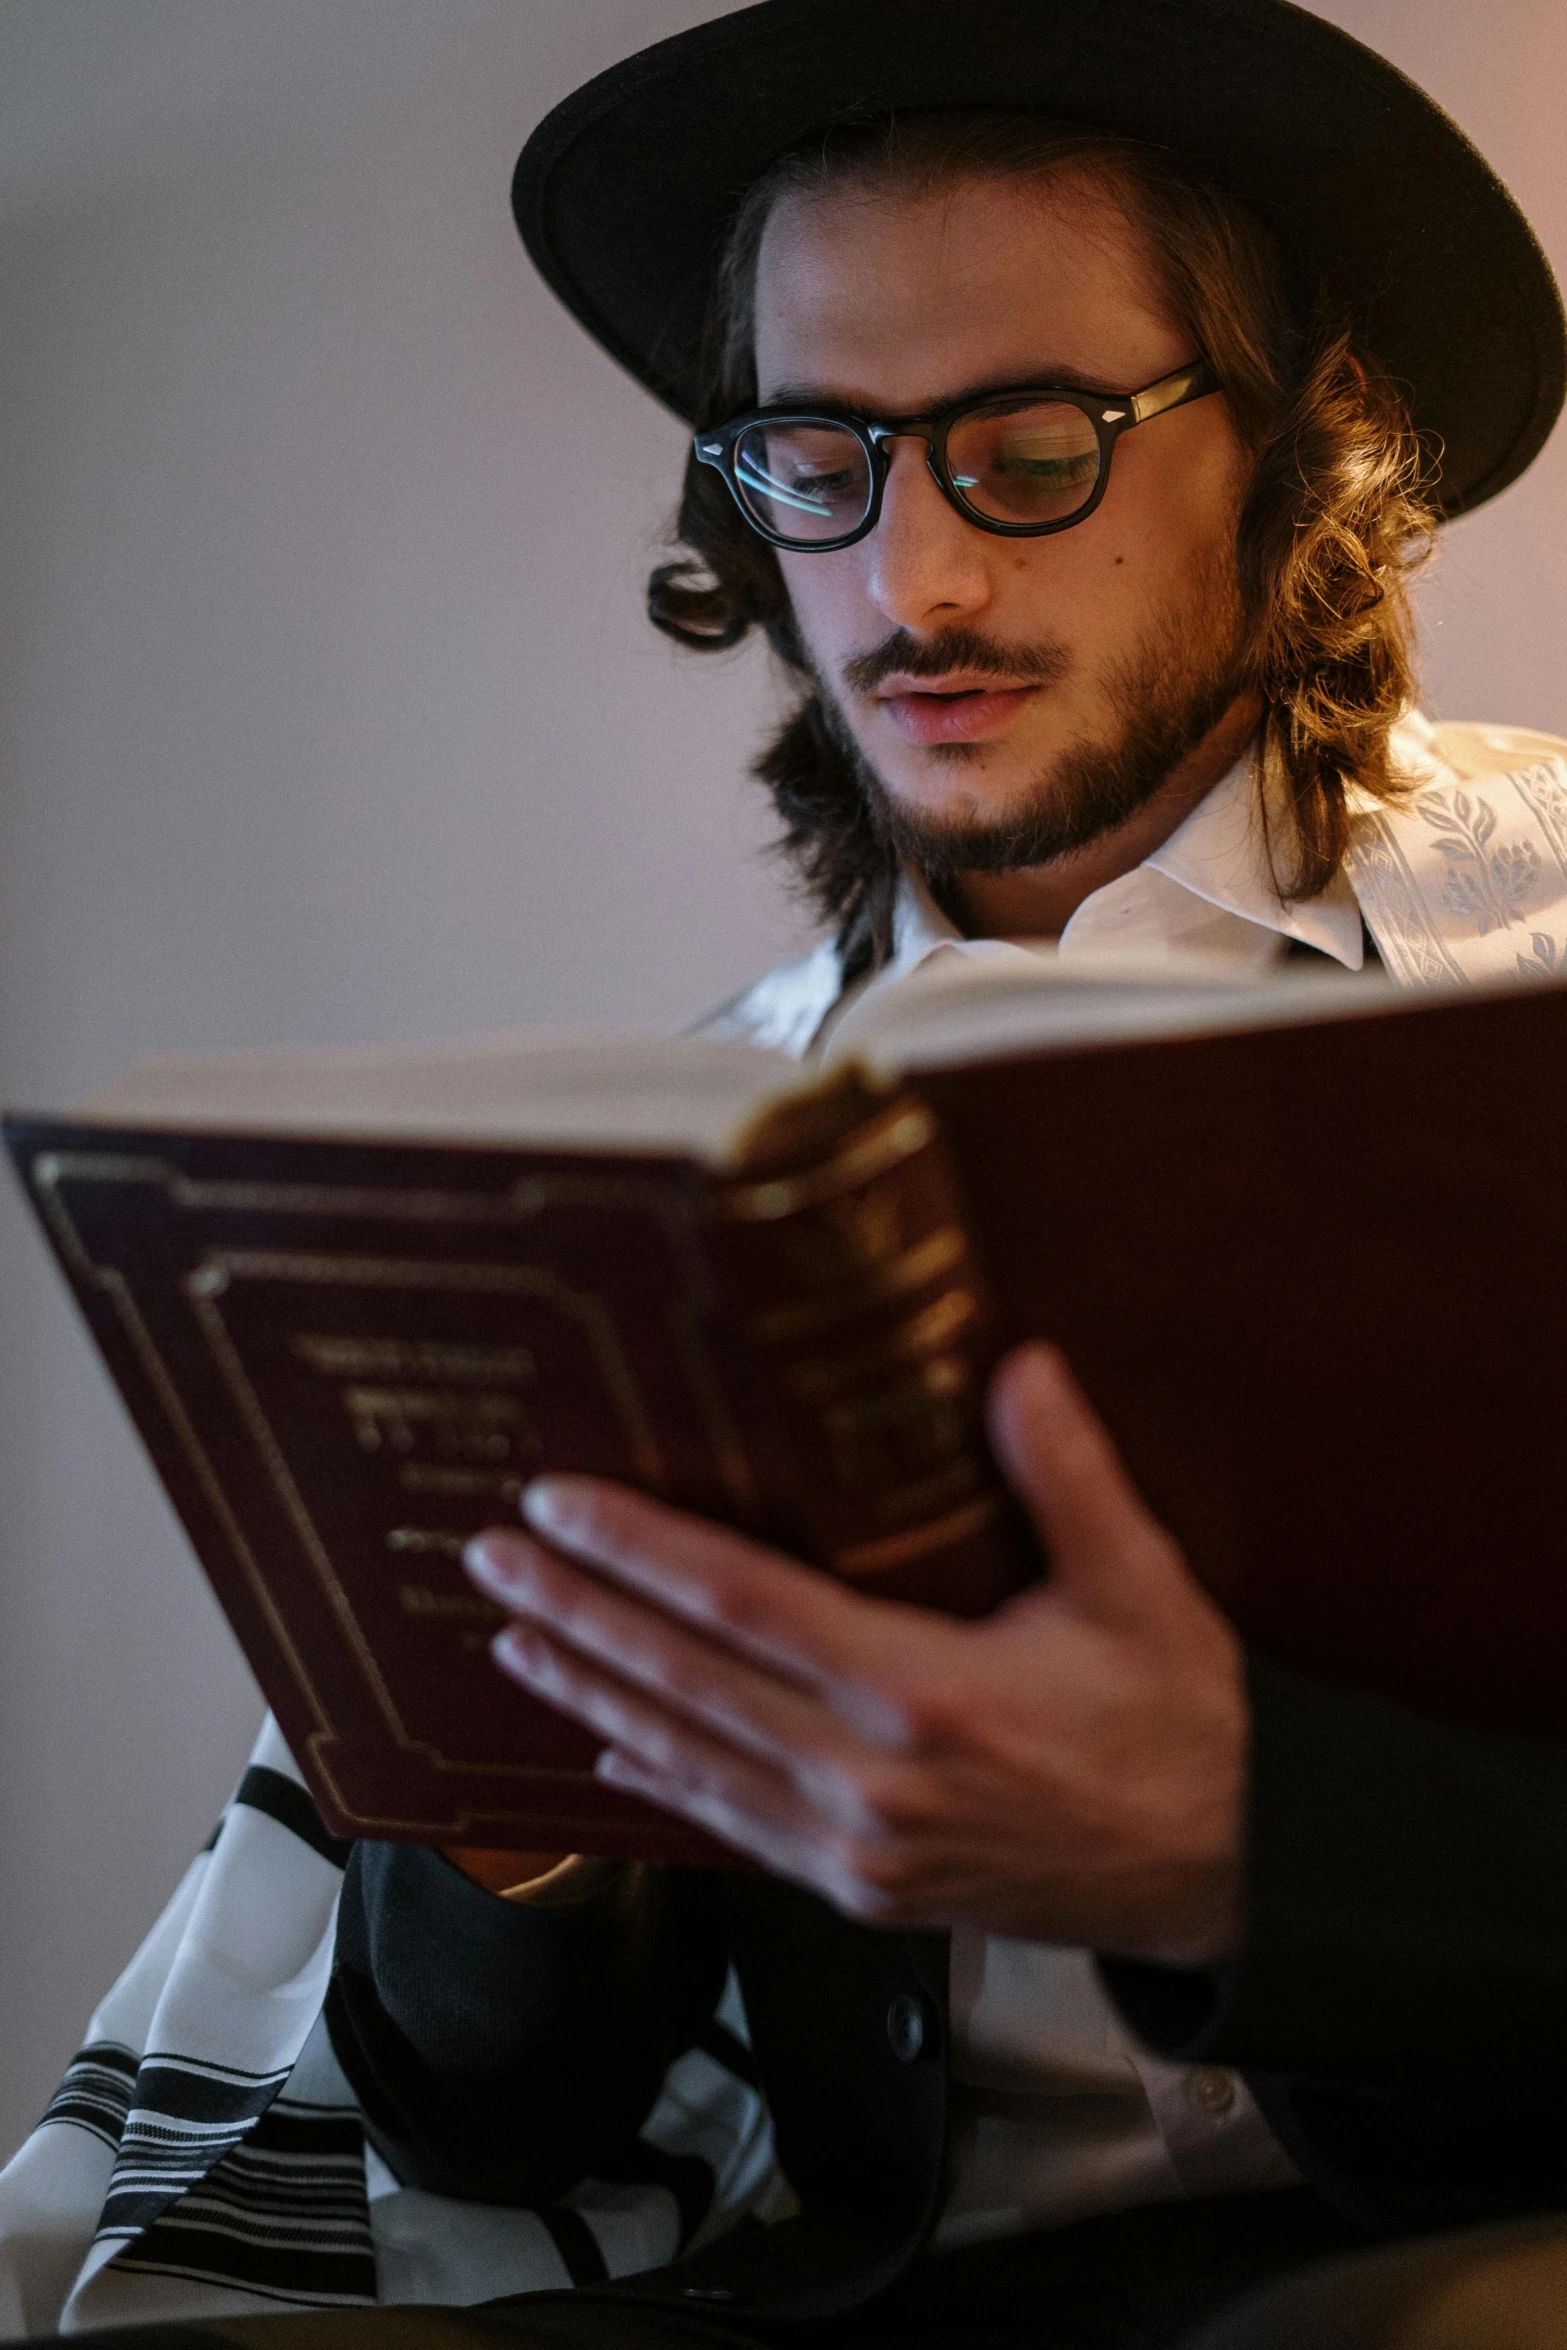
{"points": [[453, 1425], [458, 1484], [439, 1539], [417, 1599], [393, 1360]]}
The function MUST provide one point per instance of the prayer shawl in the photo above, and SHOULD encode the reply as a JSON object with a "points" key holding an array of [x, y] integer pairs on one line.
{"points": [[204, 2154]]}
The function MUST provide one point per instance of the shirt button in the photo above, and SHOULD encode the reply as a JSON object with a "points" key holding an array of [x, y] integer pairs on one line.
{"points": [[1210, 2090], [906, 2027]]}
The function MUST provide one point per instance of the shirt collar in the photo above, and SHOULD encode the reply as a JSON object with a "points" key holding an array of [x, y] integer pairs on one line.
{"points": [[1207, 890]]}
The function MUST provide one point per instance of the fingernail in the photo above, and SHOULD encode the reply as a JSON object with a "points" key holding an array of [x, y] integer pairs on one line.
{"points": [[485, 1558], [615, 1769], [546, 1504], [513, 1652]]}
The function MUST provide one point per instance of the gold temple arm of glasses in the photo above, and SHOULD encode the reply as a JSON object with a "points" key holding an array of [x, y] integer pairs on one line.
{"points": [[1170, 391]]}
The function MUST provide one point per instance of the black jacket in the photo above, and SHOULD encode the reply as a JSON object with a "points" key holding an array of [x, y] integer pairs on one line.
{"points": [[1399, 2007]]}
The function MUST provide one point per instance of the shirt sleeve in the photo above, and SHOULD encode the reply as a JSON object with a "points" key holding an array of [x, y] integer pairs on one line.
{"points": [[500, 2050], [1406, 1908]]}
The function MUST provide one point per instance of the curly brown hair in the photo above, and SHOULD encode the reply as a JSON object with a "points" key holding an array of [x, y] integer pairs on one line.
{"points": [[1337, 513]]}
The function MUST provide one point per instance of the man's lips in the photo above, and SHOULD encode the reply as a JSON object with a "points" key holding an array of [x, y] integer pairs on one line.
{"points": [[950, 710]]}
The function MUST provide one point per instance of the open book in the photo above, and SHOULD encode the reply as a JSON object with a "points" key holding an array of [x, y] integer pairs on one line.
{"points": [[1301, 1238]]}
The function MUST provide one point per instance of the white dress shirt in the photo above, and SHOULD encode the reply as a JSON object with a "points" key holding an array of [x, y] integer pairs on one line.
{"points": [[1059, 2113]]}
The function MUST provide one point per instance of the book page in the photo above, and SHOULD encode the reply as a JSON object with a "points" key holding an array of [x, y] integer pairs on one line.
{"points": [[694, 1095], [683, 1094], [961, 1007]]}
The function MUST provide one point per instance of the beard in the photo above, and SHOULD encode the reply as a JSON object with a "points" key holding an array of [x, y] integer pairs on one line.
{"points": [[1161, 700]]}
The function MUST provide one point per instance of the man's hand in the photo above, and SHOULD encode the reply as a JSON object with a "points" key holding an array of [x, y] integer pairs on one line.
{"points": [[1069, 1770]]}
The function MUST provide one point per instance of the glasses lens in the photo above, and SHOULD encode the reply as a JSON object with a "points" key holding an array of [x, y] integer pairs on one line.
{"points": [[1033, 464], [806, 483]]}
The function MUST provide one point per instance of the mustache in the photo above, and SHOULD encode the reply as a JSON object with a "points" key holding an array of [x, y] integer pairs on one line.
{"points": [[901, 654]]}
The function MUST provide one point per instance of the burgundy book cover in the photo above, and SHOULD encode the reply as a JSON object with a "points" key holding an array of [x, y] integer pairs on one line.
{"points": [[1311, 1276], [1315, 1278], [346, 1358]]}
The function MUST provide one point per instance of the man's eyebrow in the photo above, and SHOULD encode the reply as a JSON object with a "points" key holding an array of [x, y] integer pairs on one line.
{"points": [[816, 395]]}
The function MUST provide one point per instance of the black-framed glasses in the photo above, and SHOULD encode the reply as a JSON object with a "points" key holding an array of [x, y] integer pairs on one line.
{"points": [[1023, 460]]}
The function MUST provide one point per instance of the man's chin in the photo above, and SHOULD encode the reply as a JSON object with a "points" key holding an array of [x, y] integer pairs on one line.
{"points": [[976, 817], [960, 787]]}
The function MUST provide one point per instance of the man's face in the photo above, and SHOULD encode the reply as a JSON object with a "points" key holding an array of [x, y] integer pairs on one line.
{"points": [[1028, 690]]}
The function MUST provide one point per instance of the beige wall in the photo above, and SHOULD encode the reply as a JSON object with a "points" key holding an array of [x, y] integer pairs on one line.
{"points": [[328, 712]]}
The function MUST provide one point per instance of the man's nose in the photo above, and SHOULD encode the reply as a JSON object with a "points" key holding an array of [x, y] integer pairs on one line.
{"points": [[927, 567]]}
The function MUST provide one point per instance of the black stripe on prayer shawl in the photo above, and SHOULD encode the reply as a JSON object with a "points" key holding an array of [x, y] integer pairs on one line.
{"points": [[283, 2216], [728, 2049], [190, 2089], [95, 2093], [576, 2243], [184, 2118], [284, 1800]]}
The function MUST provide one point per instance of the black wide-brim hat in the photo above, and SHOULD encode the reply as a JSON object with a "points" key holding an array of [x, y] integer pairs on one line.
{"points": [[625, 193]]}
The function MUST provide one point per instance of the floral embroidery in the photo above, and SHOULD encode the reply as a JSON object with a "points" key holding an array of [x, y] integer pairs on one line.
{"points": [[1449, 877], [1546, 962], [1395, 907], [1544, 793], [1485, 885]]}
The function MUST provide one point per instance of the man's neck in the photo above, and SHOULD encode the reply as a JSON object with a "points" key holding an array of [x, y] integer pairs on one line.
{"points": [[1038, 901]]}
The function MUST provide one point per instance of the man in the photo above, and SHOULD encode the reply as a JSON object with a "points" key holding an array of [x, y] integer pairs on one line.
{"points": [[1093, 1972]]}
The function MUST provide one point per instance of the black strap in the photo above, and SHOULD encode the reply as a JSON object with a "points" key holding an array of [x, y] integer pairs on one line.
{"points": [[285, 1801], [576, 2243], [728, 2049]]}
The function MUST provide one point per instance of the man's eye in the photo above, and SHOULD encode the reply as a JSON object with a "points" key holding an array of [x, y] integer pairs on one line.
{"points": [[835, 484], [1057, 472]]}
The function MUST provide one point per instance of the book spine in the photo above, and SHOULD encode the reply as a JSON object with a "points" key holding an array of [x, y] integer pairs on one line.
{"points": [[844, 1243]]}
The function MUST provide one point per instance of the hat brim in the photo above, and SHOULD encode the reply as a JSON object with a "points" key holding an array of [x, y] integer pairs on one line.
{"points": [[625, 193]]}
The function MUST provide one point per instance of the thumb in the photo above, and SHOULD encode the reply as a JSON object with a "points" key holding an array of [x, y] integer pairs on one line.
{"points": [[1105, 1548]]}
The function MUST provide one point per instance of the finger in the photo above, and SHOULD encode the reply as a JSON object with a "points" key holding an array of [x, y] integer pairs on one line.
{"points": [[640, 1646], [809, 1772], [821, 1866], [706, 1805], [789, 1617], [675, 1750], [710, 1801], [877, 1882], [1059, 1457]]}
